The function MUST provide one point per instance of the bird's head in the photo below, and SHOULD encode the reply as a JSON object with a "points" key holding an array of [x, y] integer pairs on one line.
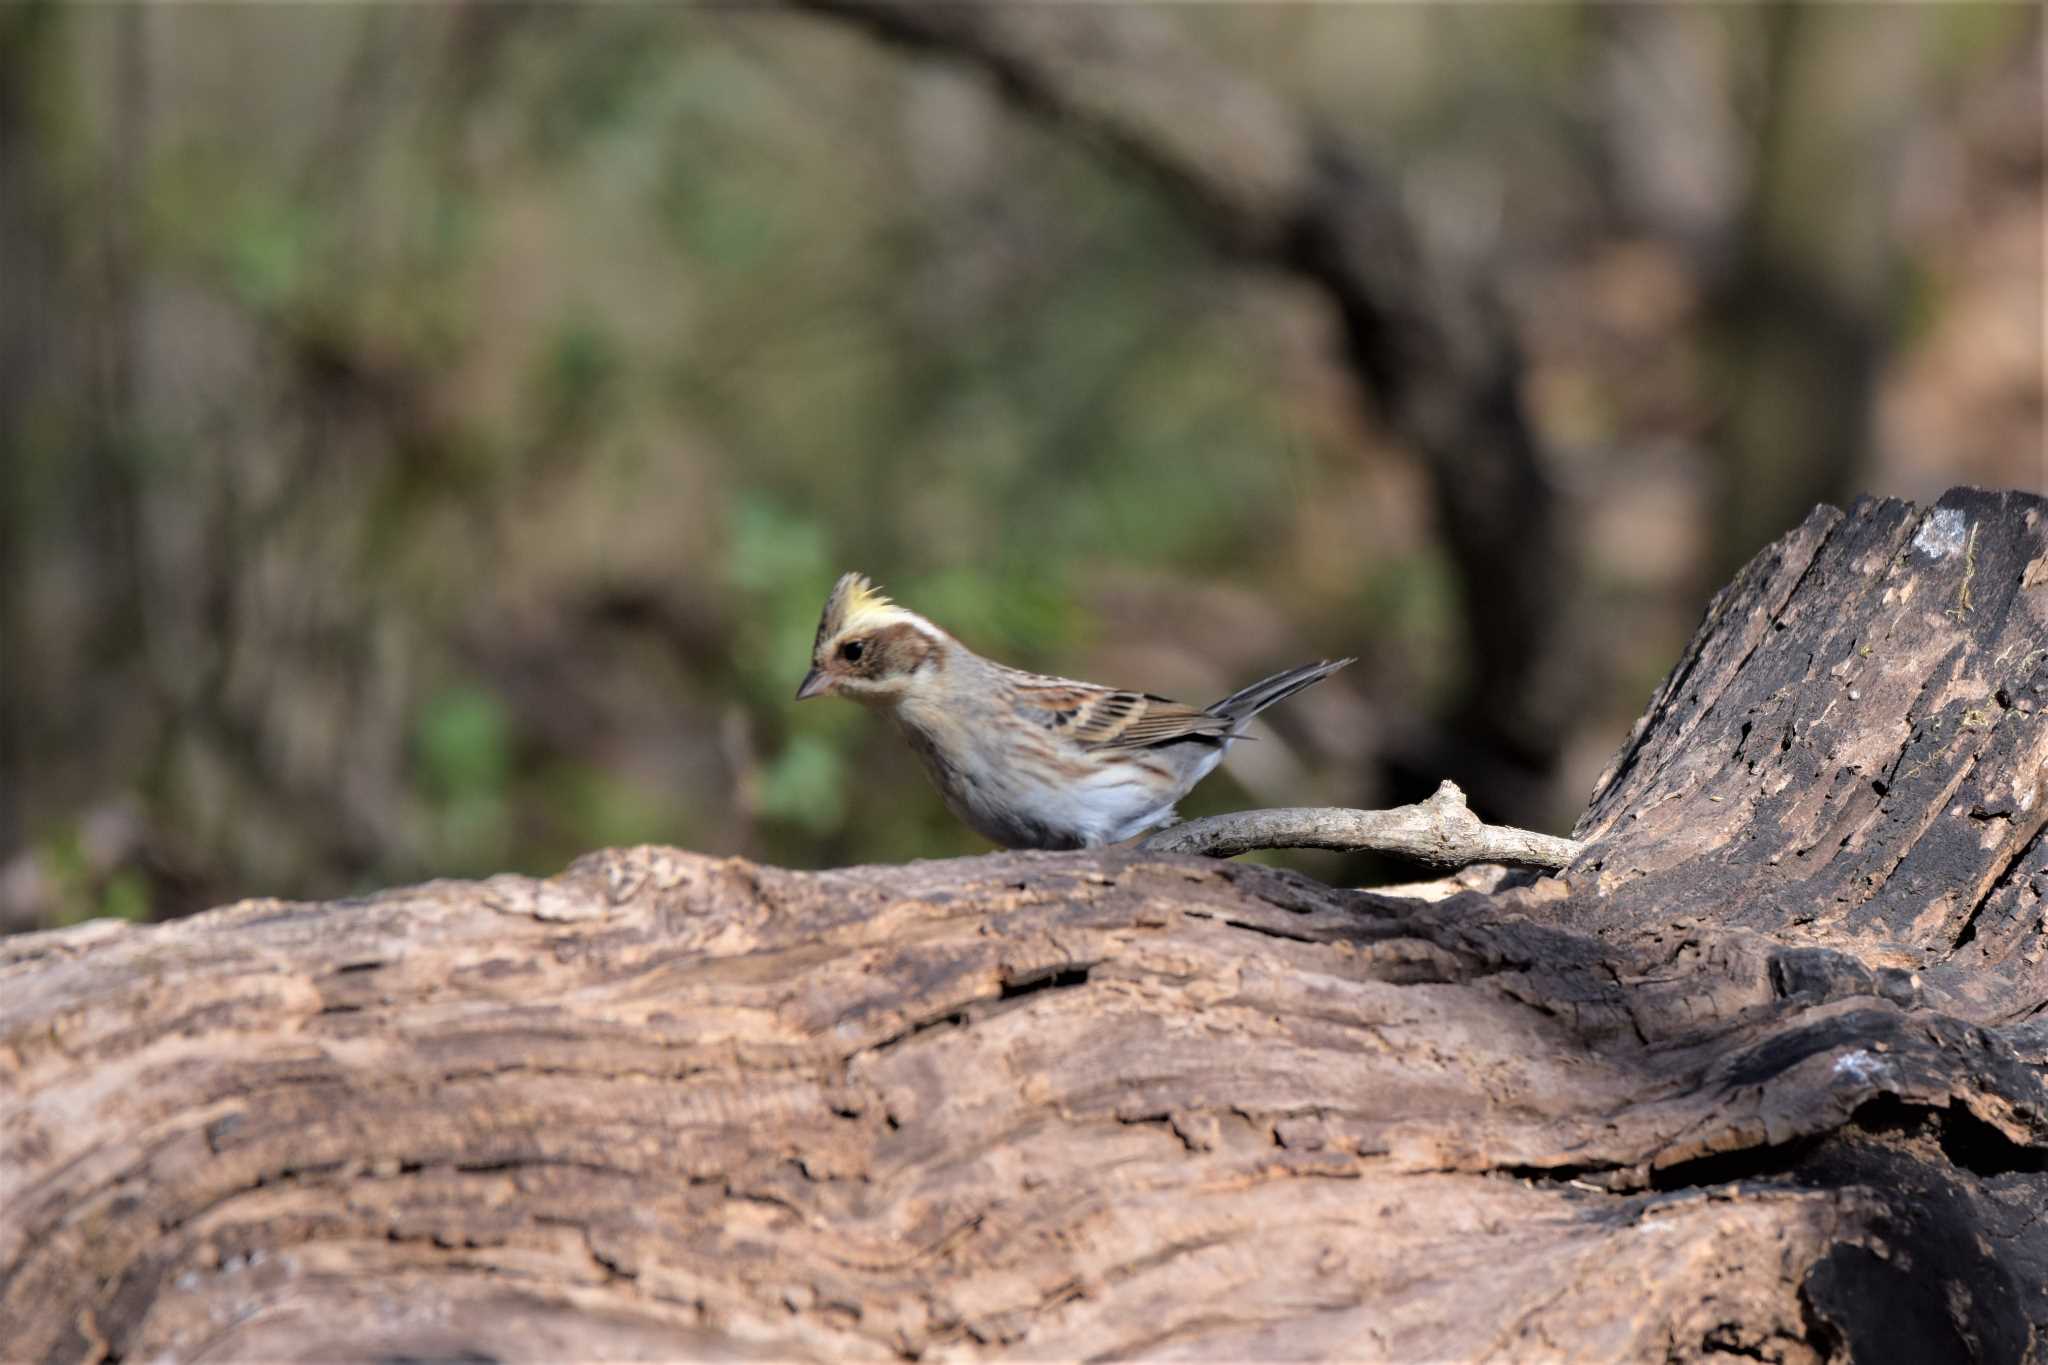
{"points": [[869, 649]]}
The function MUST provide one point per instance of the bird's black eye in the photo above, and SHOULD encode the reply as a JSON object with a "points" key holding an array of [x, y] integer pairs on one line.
{"points": [[850, 651]]}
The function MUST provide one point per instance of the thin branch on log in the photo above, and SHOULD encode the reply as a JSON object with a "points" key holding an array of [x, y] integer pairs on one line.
{"points": [[1441, 831]]}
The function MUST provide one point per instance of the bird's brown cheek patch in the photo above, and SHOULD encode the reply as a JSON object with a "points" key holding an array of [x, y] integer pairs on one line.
{"points": [[895, 650]]}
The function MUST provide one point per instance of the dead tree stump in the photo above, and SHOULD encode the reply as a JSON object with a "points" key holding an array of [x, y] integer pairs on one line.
{"points": [[1762, 1074]]}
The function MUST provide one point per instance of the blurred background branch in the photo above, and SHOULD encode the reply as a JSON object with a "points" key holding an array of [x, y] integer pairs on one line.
{"points": [[429, 431], [1423, 335]]}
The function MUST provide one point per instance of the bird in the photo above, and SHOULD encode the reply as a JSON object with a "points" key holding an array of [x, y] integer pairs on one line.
{"points": [[1027, 760]]}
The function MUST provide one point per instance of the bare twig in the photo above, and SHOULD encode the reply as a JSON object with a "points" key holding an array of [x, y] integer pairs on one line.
{"points": [[1442, 831]]}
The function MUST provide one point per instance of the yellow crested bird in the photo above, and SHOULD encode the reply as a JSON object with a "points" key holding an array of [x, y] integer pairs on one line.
{"points": [[1027, 760]]}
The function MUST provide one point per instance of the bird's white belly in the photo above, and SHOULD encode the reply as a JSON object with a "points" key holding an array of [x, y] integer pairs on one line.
{"points": [[1027, 805]]}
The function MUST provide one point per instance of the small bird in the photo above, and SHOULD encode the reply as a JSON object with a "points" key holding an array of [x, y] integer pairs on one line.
{"points": [[1027, 760]]}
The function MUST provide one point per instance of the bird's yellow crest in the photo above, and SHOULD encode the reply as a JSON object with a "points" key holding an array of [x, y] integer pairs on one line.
{"points": [[854, 601]]}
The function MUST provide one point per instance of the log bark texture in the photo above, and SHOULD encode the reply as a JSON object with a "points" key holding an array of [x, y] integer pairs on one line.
{"points": [[1761, 1074]]}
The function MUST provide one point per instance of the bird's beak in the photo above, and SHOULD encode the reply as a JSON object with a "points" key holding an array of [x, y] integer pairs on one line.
{"points": [[815, 684]]}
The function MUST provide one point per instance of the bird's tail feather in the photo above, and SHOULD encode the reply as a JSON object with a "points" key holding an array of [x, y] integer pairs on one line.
{"points": [[1242, 705]]}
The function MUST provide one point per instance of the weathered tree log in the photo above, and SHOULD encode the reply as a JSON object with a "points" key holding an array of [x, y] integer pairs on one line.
{"points": [[1762, 1073], [1851, 755]]}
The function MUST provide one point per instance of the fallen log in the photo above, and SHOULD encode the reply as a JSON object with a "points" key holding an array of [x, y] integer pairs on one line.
{"points": [[1760, 1073]]}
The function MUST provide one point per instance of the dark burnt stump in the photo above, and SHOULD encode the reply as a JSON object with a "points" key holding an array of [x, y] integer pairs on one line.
{"points": [[1760, 1075], [1851, 755]]}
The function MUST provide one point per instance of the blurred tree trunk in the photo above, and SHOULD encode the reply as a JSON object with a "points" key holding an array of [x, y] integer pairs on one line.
{"points": [[1762, 1074], [112, 495], [1801, 311], [1776, 182], [28, 262], [70, 496]]}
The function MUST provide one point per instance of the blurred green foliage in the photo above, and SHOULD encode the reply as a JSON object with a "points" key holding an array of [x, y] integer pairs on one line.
{"points": [[442, 424], [79, 888], [464, 742]]}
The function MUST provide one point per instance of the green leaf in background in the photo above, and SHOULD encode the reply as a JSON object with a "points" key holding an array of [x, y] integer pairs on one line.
{"points": [[1006, 616], [604, 809], [125, 896], [779, 562], [269, 241], [772, 547], [580, 372], [805, 785], [464, 742]]}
